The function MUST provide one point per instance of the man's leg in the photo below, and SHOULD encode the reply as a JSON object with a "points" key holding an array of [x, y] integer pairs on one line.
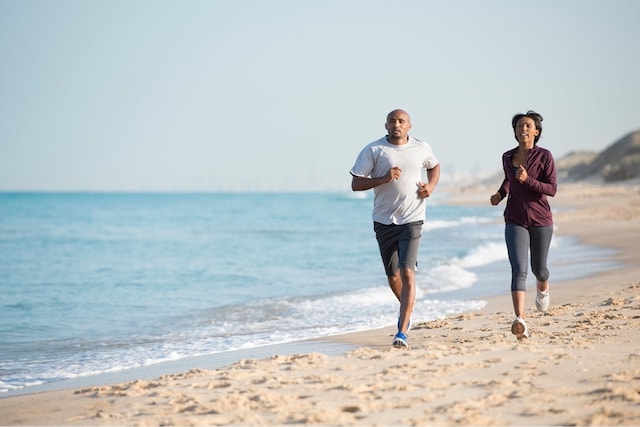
{"points": [[408, 247], [395, 283], [407, 297]]}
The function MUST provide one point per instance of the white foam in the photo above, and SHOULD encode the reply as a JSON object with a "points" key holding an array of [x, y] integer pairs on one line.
{"points": [[434, 224], [448, 277], [482, 255]]}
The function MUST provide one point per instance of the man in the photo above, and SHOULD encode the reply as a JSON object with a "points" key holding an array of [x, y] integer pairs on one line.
{"points": [[393, 167]]}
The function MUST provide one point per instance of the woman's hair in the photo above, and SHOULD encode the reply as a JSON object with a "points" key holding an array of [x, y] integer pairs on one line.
{"points": [[537, 119]]}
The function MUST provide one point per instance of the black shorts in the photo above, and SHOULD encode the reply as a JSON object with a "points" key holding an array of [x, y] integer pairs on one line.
{"points": [[399, 245]]}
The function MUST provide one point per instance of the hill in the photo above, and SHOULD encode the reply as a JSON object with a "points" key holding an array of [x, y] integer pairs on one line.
{"points": [[618, 162]]}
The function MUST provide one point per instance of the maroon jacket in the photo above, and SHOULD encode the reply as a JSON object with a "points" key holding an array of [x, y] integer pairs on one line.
{"points": [[527, 204]]}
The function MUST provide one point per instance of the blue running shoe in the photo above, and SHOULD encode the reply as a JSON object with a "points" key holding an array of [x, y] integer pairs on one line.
{"points": [[400, 341]]}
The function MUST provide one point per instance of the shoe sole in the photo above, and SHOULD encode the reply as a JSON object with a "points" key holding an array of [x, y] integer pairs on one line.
{"points": [[518, 330], [400, 343]]}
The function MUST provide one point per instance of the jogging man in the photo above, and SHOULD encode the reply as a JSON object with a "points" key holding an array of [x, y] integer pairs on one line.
{"points": [[392, 166]]}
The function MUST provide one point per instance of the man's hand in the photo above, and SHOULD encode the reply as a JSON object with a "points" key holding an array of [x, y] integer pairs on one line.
{"points": [[496, 198], [363, 183], [424, 190], [394, 173]]}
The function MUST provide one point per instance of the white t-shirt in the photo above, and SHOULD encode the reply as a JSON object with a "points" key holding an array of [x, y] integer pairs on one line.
{"points": [[396, 202]]}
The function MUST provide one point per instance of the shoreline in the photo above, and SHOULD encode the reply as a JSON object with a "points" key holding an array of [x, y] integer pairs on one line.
{"points": [[471, 368], [173, 367], [332, 345]]}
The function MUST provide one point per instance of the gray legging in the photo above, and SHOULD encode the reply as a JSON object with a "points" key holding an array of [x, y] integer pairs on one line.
{"points": [[519, 239]]}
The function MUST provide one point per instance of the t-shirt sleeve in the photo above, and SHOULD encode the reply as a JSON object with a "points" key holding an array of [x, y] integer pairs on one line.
{"points": [[430, 160], [364, 163]]}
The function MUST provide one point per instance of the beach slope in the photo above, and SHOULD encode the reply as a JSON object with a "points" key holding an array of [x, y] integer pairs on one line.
{"points": [[581, 365]]}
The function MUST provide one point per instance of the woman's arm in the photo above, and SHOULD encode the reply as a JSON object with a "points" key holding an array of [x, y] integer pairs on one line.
{"points": [[546, 184]]}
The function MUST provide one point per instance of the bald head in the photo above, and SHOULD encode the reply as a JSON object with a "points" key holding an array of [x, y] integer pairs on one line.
{"points": [[398, 112], [398, 125]]}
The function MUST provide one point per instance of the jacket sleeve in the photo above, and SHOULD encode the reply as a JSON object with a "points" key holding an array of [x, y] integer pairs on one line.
{"points": [[505, 186], [546, 184]]}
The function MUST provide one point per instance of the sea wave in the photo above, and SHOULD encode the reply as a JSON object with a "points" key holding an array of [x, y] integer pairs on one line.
{"points": [[457, 272], [434, 224], [227, 329]]}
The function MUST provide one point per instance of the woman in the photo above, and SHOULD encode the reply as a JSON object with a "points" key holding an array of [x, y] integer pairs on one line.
{"points": [[529, 177]]}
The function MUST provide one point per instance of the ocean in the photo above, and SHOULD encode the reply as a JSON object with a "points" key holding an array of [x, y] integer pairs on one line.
{"points": [[92, 283]]}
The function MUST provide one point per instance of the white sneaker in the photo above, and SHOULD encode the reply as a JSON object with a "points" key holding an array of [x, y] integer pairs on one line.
{"points": [[542, 301], [519, 328]]}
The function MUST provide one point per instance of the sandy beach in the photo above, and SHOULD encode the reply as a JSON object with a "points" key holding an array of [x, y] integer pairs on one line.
{"points": [[581, 365]]}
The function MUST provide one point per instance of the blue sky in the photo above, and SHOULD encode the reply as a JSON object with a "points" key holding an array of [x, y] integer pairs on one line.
{"points": [[256, 95]]}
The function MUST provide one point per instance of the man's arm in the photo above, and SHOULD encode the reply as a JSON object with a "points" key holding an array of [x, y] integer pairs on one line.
{"points": [[362, 183], [433, 176]]}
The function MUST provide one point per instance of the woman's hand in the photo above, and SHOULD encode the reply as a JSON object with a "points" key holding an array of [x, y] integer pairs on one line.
{"points": [[496, 198], [521, 174]]}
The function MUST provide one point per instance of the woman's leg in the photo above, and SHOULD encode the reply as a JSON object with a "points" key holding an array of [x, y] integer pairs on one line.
{"points": [[517, 240], [518, 298], [540, 243]]}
